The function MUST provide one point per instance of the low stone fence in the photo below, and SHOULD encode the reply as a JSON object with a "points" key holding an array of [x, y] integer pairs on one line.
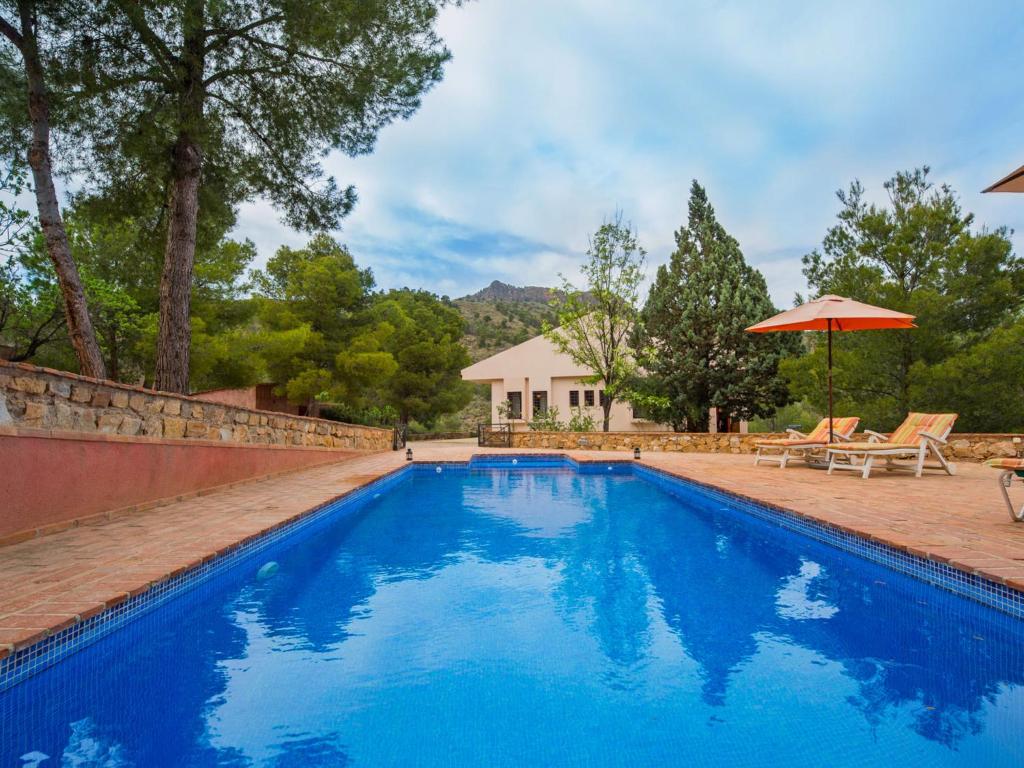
{"points": [[690, 442], [41, 398], [411, 437], [962, 446]]}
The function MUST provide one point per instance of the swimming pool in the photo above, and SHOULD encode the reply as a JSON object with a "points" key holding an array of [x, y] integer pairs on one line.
{"points": [[538, 614]]}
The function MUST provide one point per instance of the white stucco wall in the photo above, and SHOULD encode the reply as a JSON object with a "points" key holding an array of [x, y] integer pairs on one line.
{"points": [[537, 366]]}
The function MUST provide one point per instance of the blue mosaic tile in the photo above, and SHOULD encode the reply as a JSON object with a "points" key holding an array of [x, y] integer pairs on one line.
{"points": [[969, 585]]}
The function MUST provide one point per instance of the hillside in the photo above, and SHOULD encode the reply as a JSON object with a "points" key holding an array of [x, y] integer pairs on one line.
{"points": [[497, 317], [501, 316]]}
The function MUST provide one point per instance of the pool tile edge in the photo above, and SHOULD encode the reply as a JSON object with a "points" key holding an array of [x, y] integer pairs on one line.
{"points": [[922, 565]]}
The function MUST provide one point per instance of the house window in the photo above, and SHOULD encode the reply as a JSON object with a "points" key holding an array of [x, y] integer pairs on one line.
{"points": [[540, 403], [588, 397], [602, 397], [574, 398], [515, 405], [641, 414]]}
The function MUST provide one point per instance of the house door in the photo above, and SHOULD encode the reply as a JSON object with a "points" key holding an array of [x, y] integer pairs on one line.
{"points": [[721, 420]]}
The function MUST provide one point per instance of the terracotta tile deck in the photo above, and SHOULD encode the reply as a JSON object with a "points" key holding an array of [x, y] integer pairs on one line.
{"points": [[51, 582]]}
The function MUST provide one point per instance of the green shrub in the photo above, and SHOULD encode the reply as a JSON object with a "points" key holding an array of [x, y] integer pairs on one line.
{"points": [[802, 416], [581, 420], [547, 421], [383, 416]]}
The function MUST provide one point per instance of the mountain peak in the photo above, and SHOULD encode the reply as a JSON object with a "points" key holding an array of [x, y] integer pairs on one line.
{"points": [[499, 291]]}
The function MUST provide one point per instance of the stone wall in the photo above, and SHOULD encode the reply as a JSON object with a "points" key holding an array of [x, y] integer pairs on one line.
{"points": [[962, 446], [689, 442], [413, 437], [41, 398]]}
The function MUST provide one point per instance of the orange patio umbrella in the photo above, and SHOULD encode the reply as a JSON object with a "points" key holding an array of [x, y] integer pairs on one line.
{"points": [[1013, 182], [833, 313]]}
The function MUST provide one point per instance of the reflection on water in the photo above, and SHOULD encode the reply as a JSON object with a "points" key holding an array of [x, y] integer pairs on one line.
{"points": [[541, 618], [794, 599]]}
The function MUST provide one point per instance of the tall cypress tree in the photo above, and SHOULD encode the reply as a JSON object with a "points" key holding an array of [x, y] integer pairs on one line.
{"points": [[696, 348]]}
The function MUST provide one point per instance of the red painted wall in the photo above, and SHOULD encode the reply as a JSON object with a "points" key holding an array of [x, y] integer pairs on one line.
{"points": [[49, 478], [260, 397]]}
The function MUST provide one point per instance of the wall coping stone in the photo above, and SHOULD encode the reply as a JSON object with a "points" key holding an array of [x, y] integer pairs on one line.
{"points": [[106, 437]]}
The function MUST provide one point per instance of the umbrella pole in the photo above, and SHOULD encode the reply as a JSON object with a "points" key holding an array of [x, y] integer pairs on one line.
{"points": [[831, 436]]}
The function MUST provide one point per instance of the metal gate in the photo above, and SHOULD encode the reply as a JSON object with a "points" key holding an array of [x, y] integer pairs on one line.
{"points": [[398, 436], [494, 435]]}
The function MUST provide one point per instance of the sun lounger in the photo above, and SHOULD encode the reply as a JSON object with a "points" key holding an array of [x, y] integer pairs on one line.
{"points": [[1011, 468], [920, 435], [800, 446]]}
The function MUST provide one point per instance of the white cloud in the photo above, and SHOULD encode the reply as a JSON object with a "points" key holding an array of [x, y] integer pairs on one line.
{"points": [[552, 116]]}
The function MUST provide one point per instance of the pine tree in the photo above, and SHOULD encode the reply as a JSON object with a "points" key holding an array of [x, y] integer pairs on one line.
{"points": [[24, 35], [243, 99], [918, 252], [696, 349]]}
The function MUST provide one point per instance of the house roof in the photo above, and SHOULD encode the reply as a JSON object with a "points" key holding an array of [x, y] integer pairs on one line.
{"points": [[536, 358]]}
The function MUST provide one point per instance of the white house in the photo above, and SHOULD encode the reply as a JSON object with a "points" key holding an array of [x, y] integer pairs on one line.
{"points": [[534, 375]]}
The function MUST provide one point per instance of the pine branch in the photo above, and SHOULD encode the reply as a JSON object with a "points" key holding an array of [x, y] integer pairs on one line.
{"points": [[161, 52], [11, 33], [281, 162], [244, 70], [226, 35]]}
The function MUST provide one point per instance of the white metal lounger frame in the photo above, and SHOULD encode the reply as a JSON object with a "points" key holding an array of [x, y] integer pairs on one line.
{"points": [[1005, 480], [802, 452], [928, 444]]}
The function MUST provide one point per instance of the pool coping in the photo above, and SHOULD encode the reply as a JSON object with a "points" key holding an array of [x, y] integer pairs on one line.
{"points": [[47, 646]]}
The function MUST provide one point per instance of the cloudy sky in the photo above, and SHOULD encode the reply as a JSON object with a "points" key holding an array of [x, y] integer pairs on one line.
{"points": [[553, 114]]}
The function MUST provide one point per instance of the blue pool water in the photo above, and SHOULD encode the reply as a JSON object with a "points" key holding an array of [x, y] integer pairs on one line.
{"points": [[539, 617]]}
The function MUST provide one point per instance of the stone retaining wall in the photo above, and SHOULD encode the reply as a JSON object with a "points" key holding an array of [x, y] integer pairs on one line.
{"points": [[41, 398], [962, 446], [413, 437]]}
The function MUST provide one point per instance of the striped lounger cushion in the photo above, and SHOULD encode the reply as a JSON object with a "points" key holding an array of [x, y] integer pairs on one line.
{"points": [[1013, 464], [817, 436], [908, 434]]}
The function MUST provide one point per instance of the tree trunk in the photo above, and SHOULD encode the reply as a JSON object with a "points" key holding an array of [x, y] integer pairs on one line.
{"points": [[80, 329], [606, 406], [175, 334], [115, 368]]}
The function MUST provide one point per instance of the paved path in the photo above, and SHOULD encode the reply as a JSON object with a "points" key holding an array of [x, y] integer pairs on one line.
{"points": [[51, 582]]}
